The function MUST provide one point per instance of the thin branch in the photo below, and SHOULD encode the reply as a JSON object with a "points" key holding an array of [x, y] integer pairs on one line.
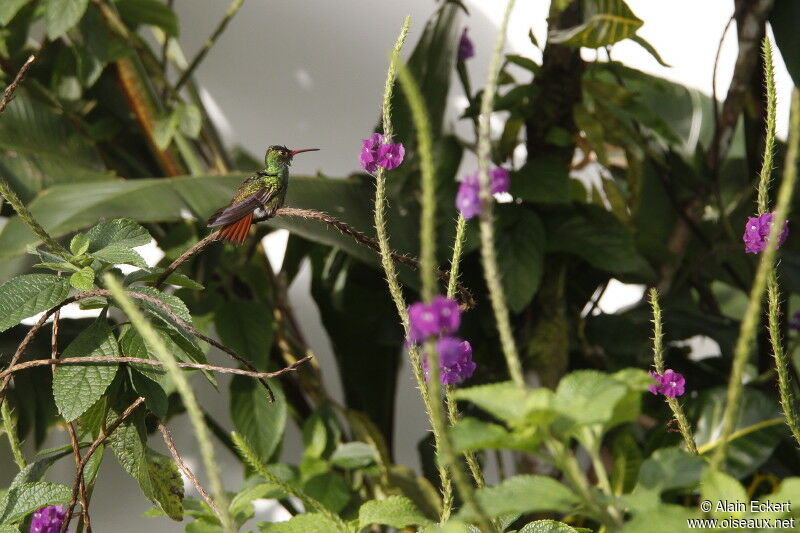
{"points": [[185, 257], [232, 9], [94, 359], [8, 95], [185, 469], [104, 434]]}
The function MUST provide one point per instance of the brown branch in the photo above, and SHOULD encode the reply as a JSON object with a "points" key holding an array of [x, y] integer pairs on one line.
{"points": [[185, 256], [104, 434], [185, 469], [94, 359], [135, 295], [8, 95]]}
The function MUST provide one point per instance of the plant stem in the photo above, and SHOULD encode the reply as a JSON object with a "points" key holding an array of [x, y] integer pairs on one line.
{"points": [[184, 389], [658, 358], [430, 289], [488, 252], [769, 135], [10, 428], [747, 330], [11, 197], [233, 8], [250, 457]]}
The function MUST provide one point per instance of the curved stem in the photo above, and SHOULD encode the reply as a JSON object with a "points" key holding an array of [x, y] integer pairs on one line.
{"points": [[488, 252]]}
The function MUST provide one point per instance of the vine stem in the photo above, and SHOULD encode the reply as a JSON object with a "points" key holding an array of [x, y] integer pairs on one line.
{"points": [[747, 330], [428, 269], [385, 250], [8, 94], [658, 358], [488, 251], [184, 389], [773, 290]]}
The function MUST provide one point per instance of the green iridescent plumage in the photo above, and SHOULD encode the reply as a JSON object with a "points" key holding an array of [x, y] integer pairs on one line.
{"points": [[266, 189]]}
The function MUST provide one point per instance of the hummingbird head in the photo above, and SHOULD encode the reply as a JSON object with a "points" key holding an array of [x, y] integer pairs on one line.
{"points": [[280, 155]]}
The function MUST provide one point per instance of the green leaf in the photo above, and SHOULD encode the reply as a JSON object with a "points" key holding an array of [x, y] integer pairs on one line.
{"points": [[79, 244], [666, 469], [660, 520], [83, 280], [782, 20], [119, 255], [120, 232], [246, 327], [720, 487], [520, 253], [650, 49], [258, 420], [330, 489], [36, 470], [164, 129], [28, 295], [587, 397], [24, 499], [171, 302], [151, 274], [510, 403], [167, 483], [77, 387], [302, 523], [353, 455], [154, 395], [471, 434], [151, 12], [62, 15], [9, 8], [543, 179], [604, 22], [394, 511], [551, 526], [521, 495], [189, 119]]}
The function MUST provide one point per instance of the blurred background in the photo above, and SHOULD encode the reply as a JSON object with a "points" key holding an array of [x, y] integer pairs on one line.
{"points": [[310, 73]]}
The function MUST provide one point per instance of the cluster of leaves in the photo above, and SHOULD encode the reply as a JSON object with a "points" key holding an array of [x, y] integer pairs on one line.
{"points": [[98, 123]]}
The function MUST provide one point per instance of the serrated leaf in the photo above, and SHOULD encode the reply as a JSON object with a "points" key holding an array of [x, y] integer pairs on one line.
{"points": [[353, 455], [36, 470], [61, 15], [77, 387], [83, 280], [509, 403], [330, 489], [551, 526], [58, 267], [259, 421], [302, 523], [173, 303], [520, 250], [28, 295], [167, 484], [24, 499], [79, 244], [605, 22], [152, 274], [394, 511], [119, 255], [523, 494], [470, 434], [118, 232], [588, 397]]}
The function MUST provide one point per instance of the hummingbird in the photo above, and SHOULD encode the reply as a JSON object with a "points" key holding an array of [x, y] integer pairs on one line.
{"points": [[264, 190]]}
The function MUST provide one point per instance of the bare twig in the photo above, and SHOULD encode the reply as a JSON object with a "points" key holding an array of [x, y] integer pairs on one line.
{"points": [[104, 434], [185, 257], [8, 95], [185, 469], [94, 359]]}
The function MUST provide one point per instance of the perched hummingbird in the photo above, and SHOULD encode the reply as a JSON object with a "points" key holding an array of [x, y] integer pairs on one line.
{"points": [[266, 189]]}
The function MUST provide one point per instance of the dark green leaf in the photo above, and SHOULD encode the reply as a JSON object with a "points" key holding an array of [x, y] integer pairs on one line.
{"points": [[330, 489], [649, 47], [258, 420], [61, 15], [28, 295], [246, 327], [154, 396], [783, 20], [151, 12], [77, 387], [520, 252], [24, 499], [120, 232], [119, 255], [542, 179]]}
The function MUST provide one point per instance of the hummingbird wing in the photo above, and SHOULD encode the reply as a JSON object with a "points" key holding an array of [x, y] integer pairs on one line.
{"points": [[238, 209]]}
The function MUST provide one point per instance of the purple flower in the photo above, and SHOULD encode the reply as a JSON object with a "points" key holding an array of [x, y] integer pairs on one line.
{"points": [[466, 49], [670, 383], [48, 519], [756, 232], [426, 320], [455, 360], [375, 152], [370, 152], [391, 155], [467, 200], [501, 180]]}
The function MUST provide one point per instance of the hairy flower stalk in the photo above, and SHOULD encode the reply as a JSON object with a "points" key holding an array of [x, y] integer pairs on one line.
{"points": [[773, 290], [184, 389], [658, 359], [488, 252], [429, 289], [749, 325], [10, 427], [389, 267], [27, 217]]}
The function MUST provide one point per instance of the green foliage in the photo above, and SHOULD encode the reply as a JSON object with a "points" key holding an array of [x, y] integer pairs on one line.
{"points": [[260, 421], [523, 494], [28, 295], [604, 22], [25, 498], [395, 511], [61, 15]]}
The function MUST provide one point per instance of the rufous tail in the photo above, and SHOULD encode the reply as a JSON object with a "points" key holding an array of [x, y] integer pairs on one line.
{"points": [[236, 232]]}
